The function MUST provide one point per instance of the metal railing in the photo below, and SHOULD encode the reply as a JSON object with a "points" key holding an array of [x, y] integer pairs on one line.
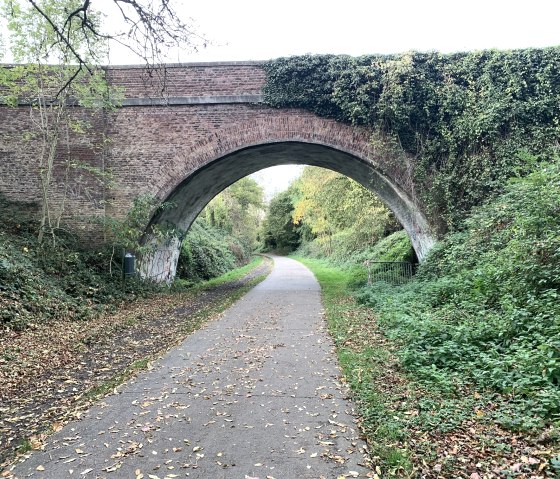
{"points": [[393, 272]]}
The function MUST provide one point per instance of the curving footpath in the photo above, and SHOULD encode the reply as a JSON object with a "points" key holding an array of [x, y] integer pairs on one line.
{"points": [[252, 395]]}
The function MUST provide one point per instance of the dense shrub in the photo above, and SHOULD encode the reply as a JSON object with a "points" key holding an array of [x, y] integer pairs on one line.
{"points": [[61, 281], [485, 307], [208, 252], [395, 247]]}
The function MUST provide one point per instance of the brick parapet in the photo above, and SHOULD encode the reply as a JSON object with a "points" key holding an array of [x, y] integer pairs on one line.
{"points": [[189, 80]]}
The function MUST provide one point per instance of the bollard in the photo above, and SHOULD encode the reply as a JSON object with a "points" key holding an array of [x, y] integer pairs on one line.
{"points": [[129, 265]]}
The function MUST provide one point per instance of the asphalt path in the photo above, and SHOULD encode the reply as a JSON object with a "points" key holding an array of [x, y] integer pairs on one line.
{"points": [[255, 394]]}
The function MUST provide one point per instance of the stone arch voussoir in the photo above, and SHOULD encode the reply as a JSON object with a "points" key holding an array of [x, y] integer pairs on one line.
{"points": [[276, 129]]}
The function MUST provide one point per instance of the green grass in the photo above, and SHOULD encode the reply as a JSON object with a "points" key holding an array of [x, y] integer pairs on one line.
{"points": [[367, 364], [235, 274]]}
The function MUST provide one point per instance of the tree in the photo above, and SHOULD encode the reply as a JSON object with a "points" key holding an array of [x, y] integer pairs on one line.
{"points": [[46, 83], [331, 204], [280, 232], [148, 28], [239, 210], [225, 233]]}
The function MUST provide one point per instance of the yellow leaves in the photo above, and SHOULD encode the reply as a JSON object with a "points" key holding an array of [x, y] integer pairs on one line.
{"points": [[56, 426], [330, 203], [36, 443]]}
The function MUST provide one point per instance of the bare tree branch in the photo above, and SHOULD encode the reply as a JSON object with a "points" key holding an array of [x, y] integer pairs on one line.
{"points": [[151, 27], [61, 36]]}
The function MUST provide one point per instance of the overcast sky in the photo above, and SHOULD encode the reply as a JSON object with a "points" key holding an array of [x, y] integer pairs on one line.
{"points": [[257, 30]]}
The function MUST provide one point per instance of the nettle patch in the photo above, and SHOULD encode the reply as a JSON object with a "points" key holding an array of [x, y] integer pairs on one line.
{"points": [[484, 310]]}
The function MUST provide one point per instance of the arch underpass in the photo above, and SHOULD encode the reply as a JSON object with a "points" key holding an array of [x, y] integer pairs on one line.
{"points": [[192, 194], [208, 128]]}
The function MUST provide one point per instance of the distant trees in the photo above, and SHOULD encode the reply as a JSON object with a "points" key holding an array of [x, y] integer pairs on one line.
{"points": [[336, 208], [238, 210], [225, 233], [329, 211], [280, 233]]}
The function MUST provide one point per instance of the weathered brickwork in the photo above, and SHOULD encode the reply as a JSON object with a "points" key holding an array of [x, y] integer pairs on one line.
{"points": [[151, 147], [196, 79], [73, 188]]}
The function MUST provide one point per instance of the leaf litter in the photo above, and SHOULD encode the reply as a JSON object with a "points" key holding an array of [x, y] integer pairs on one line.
{"points": [[52, 372]]}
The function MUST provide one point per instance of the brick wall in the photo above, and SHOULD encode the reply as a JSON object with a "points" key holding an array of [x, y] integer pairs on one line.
{"points": [[196, 79], [152, 149]]}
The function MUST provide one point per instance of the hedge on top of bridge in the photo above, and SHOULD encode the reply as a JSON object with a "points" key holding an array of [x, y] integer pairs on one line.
{"points": [[471, 120]]}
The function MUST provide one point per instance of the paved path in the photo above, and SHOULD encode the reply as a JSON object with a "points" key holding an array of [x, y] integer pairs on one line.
{"points": [[252, 395]]}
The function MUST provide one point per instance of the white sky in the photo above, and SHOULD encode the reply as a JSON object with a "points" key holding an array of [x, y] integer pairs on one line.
{"points": [[255, 30]]}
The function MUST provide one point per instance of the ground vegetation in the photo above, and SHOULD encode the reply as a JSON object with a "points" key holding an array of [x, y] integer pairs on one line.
{"points": [[225, 234]]}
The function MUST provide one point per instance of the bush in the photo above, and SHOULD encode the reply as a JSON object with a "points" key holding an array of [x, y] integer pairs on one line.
{"points": [[395, 247], [485, 307], [63, 281], [208, 252]]}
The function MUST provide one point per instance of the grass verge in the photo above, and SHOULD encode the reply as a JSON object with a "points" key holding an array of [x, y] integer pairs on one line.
{"points": [[367, 362], [415, 429]]}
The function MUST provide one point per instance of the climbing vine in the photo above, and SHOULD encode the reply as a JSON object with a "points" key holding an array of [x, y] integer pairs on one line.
{"points": [[469, 120]]}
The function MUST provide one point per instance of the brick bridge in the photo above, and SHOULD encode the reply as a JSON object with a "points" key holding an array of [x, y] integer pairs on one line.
{"points": [[187, 139]]}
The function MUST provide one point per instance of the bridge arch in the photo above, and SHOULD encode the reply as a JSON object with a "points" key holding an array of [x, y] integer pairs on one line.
{"points": [[192, 178]]}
